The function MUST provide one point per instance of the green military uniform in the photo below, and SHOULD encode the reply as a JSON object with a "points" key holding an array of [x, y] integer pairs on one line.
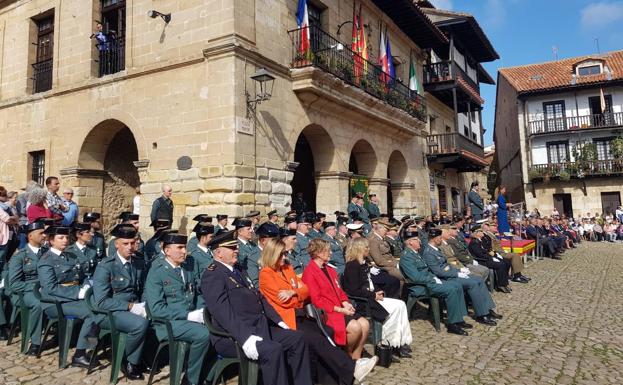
{"points": [[191, 246], [249, 255], [61, 277], [87, 256], [395, 246], [462, 255], [342, 240], [99, 245], [112, 249], [22, 278], [337, 254], [152, 248], [300, 249], [475, 287], [4, 292], [419, 278], [201, 260], [374, 210], [171, 294], [116, 284], [313, 233]]}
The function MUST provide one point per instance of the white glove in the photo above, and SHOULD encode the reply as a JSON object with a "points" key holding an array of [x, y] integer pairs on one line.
{"points": [[83, 291], [2, 284], [139, 309], [496, 259], [465, 270], [463, 275], [499, 256], [195, 316], [475, 263], [250, 347], [438, 281], [375, 270], [283, 325]]}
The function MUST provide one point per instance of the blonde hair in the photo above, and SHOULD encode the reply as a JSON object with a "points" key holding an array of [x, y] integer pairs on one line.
{"points": [[356, 249], [317, 246], [272, 253]]}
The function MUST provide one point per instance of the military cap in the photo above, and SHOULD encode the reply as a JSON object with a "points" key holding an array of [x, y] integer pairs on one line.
{"points": [[321, 215], [124, 231], [408, 234], [406, 217], [57, 230], [159, 223], [341, 220], [434, 232], [384, 215], [203, 228], [240, 223], [202, 218], [447, 226], [476, 227], [223, 239], [91, 217], [328, 224], [158, 235], [289, 219], [174, 239], [354, 226], [306, 218], [339, 213], [32, 227], [481, 221], [285, 232], [46, 221], [354, 216], [271, 213], [313, 218], [267, 230], [81, 226], [128, 216], [373, 218], [358, 194], [371, 195], [220, 217], [252, 214], [384, 222], [291, 213], [395, 221], [474, 183]]}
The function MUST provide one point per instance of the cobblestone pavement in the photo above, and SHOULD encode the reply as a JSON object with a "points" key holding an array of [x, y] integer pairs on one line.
{"points": [[564, 327]]}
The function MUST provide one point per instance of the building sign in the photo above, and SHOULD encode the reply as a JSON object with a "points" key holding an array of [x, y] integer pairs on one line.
{"points": [[244, 126]]}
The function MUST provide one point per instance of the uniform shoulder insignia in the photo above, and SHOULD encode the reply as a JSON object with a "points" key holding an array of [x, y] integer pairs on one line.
{"points": [[212, 267]]}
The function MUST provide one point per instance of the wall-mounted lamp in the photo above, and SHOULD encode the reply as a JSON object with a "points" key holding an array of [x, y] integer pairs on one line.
{"points": [[266, 81], [165, 16], [366, 26]]}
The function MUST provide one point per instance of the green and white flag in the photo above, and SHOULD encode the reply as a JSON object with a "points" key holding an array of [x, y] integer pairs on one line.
{"points": [[414, 85]]}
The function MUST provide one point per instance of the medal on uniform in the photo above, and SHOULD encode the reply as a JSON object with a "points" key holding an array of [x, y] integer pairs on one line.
{"points": [[293, 283]]}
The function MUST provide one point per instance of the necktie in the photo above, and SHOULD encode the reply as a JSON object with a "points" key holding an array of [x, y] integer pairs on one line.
{"points": [[178, 270], [238, 276]]}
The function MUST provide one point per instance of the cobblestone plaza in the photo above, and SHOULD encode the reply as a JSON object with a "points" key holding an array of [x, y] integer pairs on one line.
{"points": [[562, 328]]}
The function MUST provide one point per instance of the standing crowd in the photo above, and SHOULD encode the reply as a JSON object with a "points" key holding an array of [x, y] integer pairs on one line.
{"points": [[299, 293]]}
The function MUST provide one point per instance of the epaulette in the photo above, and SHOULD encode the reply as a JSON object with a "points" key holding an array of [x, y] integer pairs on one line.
{"points": [[212, 267]]}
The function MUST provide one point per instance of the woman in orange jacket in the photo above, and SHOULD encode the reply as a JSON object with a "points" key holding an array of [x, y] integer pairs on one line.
{"points": [[287, 294]]}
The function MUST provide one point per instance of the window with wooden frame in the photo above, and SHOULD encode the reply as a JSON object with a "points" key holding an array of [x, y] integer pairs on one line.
{"points": [[42, 67], [604, 148], [555, 115], [111, 39], [558, 152], [36, 163]]}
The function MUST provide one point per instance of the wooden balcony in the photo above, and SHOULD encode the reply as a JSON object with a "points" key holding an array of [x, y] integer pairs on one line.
{"points": [[446, 79], [576, 170], [553, 125], [453, 150]]}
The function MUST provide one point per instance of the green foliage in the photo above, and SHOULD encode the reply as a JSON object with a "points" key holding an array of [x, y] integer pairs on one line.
{"points": [[617, 147]]}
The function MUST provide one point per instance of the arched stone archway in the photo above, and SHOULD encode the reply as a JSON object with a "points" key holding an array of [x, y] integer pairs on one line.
{"points": [[106, 176], [363, 159], [399, 188]]}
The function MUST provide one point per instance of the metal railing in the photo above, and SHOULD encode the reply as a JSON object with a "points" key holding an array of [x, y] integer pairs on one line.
{"points": [[42, 76], [332, 56], [111, 56], [581, 169], [446, 70], [452, 143], [610, 119]]}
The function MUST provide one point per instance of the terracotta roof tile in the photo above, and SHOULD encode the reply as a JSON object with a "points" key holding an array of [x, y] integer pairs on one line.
{"points": [[559, 74]]}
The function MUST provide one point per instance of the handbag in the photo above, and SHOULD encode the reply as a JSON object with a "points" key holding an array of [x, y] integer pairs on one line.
{"points": [[384, 352]]}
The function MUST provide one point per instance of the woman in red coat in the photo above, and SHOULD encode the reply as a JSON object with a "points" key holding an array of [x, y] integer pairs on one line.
{"points": [[351, 329]]}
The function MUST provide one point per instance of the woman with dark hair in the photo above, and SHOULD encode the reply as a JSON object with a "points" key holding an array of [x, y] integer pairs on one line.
{"points": [[502, 213]]}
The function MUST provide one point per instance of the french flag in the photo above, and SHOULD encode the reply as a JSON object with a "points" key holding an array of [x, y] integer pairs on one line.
{"points": [[302, 19], [391, 70]]}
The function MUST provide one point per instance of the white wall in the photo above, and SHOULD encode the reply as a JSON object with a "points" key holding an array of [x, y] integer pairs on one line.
{"points": [[464, 121], [539, 143], [535, 105]]}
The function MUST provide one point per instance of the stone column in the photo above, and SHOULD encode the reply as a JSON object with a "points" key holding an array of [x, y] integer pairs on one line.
{"points": [[332, 191], [88, 187], [403, 198], [379, 187], [142, 166]]}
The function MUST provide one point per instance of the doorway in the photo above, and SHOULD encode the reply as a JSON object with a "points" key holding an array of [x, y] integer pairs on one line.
{"points": [[610, 201], [562, 203], [304, 180], [443, 202], [599, 116]]}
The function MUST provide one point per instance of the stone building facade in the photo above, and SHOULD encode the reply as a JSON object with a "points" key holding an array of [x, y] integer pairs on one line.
{"points": [[166, 103], [567, 117]]}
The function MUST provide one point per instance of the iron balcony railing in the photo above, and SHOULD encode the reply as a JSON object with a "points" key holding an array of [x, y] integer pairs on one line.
{"points": [[111, 56], [332, 56], [609, 119], [568, 170], [450, 143], [42, 76], [444, 71]]}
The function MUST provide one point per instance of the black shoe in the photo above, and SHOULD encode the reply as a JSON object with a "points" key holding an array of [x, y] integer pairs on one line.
{"points": [[465, 325], [33, 350], [526, 278], [4, 335], [503, 289], [406, 348], [456, 329], [398, 352], [81, 361], [486, 320], [495, 315], [132, 372], [395, 359], [519, 279]]}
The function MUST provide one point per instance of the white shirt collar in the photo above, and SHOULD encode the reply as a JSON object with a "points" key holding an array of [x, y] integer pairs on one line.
{"points": [[444, 242], [170, 264], [381, 238], [55, 251], [298, 232], [231, 268], [434, 248], [123, 260], [34, 249], [80, 245], [243, 241], [204, 249]]}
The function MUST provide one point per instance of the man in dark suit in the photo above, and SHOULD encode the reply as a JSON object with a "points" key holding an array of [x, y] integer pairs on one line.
{"points": [[475, 201], [240, 309], [480, 248], [162, 207], [534, 232]]}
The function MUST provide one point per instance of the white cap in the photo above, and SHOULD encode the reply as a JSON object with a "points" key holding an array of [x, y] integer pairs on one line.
{"points": [[354, 226]]}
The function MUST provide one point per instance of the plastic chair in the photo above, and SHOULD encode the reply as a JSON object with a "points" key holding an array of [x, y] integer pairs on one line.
{"points": [[23, 312], [249, 369], [15, 313], [377, 327], [118, 339], [177, 352], [434, 307]]}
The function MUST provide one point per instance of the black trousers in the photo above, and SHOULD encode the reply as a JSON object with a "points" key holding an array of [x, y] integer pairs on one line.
{"points": [[501, 271], [284, 358], [389, 284], [324, 357]]}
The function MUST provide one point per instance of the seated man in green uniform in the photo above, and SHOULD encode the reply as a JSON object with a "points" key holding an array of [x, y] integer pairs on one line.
{"points": [[171, 294], [152, 247], [97, 240], [202, 255], [63, 278], [192, 241], [23, 277], [129, 218], [474, 287], [337, 253], [249, 251], [81, 249], [419, 279], [118, 286]]}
